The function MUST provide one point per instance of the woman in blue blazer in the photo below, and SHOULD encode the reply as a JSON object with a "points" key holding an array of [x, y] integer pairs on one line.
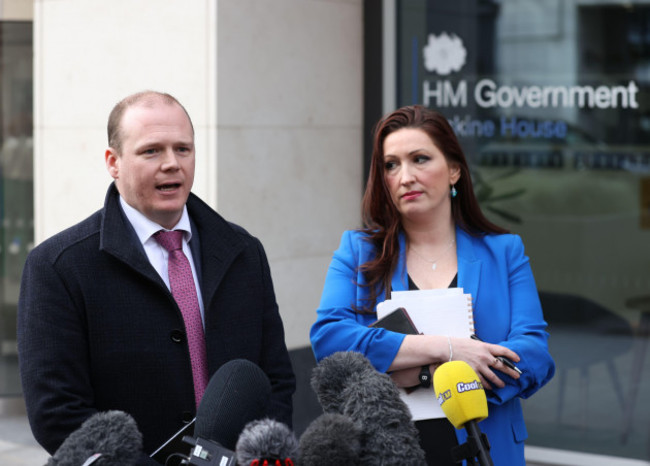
{"points": [[424, 230]]}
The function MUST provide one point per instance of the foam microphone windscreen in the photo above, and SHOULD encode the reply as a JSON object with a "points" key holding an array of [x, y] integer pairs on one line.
{"points": [[331, 438], [348, 384], [238, 393], [266, 440], [460, 393], [111, 436]]}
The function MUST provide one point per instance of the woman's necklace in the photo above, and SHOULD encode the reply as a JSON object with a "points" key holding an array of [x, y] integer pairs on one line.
{"points": [[434, 262]]}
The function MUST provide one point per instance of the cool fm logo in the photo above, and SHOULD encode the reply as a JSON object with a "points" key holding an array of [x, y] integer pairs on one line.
{"points": [[444, 53]]}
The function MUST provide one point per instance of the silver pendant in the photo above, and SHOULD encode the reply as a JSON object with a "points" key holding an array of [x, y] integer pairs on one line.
{"points": [[433, 267]]}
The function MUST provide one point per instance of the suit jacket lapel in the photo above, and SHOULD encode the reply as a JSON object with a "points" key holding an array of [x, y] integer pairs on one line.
{"points": [[218, 243], [214, 244], [118, 238], [469, 267]]}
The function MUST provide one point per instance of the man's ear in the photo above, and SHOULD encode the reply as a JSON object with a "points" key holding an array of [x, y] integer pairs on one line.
{"points": [[112, 162]]}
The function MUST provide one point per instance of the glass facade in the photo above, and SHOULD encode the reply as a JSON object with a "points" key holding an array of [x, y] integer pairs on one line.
{"points": [[16, 185], [551, 101]]}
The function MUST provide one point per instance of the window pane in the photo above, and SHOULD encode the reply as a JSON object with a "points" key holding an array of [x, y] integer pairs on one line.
{"points": [[551, 101], [16, 185]]}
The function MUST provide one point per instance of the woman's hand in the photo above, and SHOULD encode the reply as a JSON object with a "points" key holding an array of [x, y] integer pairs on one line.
{"points": [[482, 357], [417, 350]]}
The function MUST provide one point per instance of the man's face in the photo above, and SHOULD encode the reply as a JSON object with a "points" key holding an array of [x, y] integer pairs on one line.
{"points": [[154, 170]]}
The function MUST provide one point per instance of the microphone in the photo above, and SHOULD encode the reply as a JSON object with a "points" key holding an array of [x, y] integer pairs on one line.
{"points": [[331, 438], [238, 393], [462, 399], [348, 384], [266, 442], [108, 438]]}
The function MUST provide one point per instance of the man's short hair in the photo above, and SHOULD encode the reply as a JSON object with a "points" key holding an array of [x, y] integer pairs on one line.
{"points": [[144, 98]]}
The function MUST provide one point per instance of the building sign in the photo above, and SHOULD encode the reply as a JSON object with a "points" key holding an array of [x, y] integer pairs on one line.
{"points": [[486, 109], [489, 94]]}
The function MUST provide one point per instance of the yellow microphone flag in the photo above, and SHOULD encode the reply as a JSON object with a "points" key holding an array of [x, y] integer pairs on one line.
{"points": [[460, 393]]}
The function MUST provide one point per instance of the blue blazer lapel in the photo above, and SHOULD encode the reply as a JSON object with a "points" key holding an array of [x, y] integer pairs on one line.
{"points": [[469, 266], [399, 281]]}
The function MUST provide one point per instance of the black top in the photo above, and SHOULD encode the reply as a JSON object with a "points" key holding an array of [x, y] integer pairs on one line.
{"points": [[437, 436]]}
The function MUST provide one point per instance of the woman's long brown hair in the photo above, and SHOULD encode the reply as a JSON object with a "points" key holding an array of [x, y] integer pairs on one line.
{"points": [[381, 219]]}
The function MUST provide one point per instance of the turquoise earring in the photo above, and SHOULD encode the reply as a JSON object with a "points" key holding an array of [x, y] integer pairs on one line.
{"points": [[453, 191]]}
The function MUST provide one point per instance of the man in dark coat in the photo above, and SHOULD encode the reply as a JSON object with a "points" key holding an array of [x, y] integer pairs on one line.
{"points": [[98, 328]]}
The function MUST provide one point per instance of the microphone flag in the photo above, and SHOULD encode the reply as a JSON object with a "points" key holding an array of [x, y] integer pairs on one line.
{"points": [[462, 398], [460, 393]]}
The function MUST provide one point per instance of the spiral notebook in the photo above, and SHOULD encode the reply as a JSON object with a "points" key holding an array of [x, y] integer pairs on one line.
{"points": [[433, 312]]}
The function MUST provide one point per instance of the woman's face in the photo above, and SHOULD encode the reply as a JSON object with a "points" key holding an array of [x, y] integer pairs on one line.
{"points": [[417, 174]]}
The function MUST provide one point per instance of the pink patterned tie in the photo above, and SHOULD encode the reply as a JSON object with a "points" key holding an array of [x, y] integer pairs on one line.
{"points": [[184, 292]]}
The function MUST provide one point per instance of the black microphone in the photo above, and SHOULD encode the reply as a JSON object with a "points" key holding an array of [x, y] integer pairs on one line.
{"points": [[108, 438], [331, 438], [346, 383], [266, 442], [238, 393]]}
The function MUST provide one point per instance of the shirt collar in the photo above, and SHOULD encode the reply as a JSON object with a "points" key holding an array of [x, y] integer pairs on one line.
{"points": [[145, 228]]}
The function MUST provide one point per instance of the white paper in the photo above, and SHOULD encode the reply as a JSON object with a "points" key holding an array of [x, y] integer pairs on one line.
{"points": [[433, 312], [422, 403]]}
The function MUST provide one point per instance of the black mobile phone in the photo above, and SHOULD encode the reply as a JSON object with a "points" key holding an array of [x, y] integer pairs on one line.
{"points": [[397, 321]]}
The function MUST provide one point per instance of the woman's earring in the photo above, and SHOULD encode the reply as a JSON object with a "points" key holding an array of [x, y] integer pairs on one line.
{"points": [[453, 191]]}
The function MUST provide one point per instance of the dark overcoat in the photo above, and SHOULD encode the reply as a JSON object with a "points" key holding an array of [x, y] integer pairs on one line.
{"points": [[99, 330]]}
